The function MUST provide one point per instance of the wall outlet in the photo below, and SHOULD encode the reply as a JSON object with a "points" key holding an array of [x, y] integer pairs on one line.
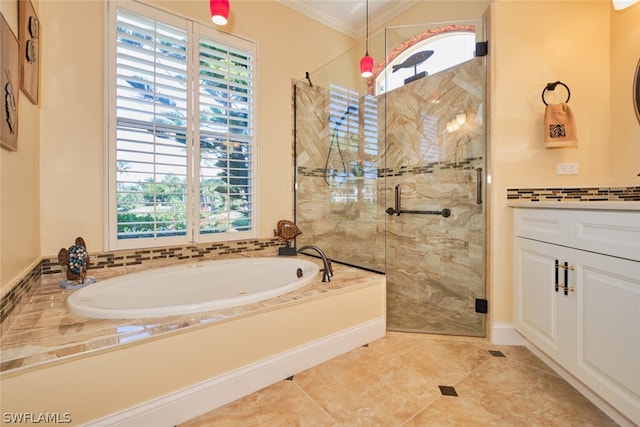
{"points": [[567, 168]]}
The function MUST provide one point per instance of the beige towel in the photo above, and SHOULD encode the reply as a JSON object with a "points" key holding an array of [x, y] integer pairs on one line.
{"points": [[559, 126]]}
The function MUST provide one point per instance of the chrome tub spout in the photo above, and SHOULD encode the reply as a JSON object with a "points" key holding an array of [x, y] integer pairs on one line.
{"points": [[327, 270]]}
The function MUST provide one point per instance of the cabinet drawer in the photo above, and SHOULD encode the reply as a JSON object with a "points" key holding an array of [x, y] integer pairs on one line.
{"points": [[542, 224], [611, 233]]}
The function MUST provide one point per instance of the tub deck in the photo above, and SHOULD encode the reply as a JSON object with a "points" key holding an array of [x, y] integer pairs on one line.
{"points": [[45, 331]]}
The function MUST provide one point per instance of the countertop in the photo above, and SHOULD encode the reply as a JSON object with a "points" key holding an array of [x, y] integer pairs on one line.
{"points": [[586, 205]]}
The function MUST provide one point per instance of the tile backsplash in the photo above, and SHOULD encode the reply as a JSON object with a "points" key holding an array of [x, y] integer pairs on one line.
{"points": [[575, 194], [153, 256]]}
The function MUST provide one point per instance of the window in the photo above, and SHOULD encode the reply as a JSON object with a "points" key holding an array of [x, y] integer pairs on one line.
{"points": [[181, 137], [447, 47]]}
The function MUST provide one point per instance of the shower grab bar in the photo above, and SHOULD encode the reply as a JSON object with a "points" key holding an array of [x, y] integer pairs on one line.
{"points": [[398, 210]]}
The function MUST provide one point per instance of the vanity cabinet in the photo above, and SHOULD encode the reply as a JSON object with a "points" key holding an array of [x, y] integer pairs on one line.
{"points": [[577, 296]]}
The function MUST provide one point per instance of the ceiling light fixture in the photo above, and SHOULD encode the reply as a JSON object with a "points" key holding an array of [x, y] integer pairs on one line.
{"points": [[623, 4], [366, 63], [219, 11]]}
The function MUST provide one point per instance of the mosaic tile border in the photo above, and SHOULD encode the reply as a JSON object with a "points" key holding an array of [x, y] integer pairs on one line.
{"points": [[16, 298], [464, 164], [470, 163], [139, 257], [575, 194]]}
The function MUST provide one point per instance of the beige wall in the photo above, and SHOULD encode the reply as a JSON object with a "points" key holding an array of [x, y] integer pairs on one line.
{"points": [[72, 131], [535, 43], [72, 125], [19, 187]]}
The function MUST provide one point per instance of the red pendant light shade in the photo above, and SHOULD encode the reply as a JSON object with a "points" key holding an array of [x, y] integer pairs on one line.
{"points": [[219, 11], [366, 65]]}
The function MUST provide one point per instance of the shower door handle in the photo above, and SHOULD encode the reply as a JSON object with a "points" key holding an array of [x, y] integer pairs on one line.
{"points": [[398, 209], [479, 186]]}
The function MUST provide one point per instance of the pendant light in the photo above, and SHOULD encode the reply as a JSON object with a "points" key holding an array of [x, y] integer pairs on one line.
{"points": [[366, 63], [623, 4], [219, 11]]}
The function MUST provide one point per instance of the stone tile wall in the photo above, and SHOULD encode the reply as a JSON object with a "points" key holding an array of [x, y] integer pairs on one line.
{"points": [[431, 141]]}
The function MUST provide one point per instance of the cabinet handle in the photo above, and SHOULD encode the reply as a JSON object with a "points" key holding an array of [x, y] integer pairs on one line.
{"points": [[565, 287]]}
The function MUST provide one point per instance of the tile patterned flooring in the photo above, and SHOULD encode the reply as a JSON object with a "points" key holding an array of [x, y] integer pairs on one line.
{"points": [[395, 381]]}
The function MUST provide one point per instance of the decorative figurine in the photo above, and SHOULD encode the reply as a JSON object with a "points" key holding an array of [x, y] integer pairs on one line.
{"points": [[287, 231], [76, 261]]}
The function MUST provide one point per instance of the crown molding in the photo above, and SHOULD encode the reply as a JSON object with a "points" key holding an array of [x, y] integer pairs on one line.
{"points": [[355, 28]]}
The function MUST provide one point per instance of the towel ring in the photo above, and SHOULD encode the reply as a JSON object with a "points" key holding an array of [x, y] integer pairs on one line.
{"points": [[552, 86]]}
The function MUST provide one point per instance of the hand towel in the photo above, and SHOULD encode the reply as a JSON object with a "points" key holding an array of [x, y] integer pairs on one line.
{"points": [[560, 126]]}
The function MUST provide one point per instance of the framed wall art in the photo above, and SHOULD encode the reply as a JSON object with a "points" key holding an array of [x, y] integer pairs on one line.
{"points": [[9, 84], [29, 35]]}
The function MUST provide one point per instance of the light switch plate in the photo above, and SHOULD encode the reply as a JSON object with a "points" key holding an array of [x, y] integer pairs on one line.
{"points": [[567, 168]]}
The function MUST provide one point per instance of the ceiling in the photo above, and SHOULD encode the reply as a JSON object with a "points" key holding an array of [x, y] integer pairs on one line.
{"points": [[349, 16]]}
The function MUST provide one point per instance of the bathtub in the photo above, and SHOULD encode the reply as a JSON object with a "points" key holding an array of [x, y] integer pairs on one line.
{"points": [[192, 288]]}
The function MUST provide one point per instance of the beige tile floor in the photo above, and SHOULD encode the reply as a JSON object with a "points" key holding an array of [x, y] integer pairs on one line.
{"points": [[395, 381]]}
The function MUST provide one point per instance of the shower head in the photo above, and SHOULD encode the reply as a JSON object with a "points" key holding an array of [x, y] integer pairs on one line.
{"points": [[351, 109], [308, 78]]}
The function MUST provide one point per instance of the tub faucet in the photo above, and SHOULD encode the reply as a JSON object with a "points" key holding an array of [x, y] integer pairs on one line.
{"points": [[327, 271]]}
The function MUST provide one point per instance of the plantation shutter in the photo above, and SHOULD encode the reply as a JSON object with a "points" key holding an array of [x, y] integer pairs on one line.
{"points": [[225, 134], [352, 159], [183, 168], [152, 110]]}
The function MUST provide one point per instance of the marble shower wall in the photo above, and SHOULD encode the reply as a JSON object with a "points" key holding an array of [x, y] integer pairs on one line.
{"points": [[431, 141], [435, 142], [345, 219]]}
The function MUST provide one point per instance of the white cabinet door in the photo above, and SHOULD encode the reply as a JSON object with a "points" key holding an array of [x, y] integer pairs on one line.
{"points": [[539, 300], [610, 233], [604, 322], [547, 225]]}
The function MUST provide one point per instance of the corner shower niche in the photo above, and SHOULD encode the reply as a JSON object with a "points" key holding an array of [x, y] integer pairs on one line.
{"points": [[427, 138]]}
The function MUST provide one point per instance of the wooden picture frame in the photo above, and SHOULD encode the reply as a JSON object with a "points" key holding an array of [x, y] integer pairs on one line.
{"points": [[636, 91], [9, 84], [29, 36]]}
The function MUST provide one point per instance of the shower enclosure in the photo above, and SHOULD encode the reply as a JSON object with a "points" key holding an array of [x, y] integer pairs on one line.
{"points": [[389, 171]]}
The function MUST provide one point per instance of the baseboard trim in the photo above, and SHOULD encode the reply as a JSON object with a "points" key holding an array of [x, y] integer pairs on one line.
{"points": [[188, 403], [505, 334]]}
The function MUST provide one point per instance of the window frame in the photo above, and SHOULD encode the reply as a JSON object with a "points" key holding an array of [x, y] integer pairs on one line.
{"points": [[195, 31]]}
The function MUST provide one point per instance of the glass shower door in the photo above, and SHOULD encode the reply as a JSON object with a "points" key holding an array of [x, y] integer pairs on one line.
{"points": [[409, 139], [338, 195], [434, 156]]}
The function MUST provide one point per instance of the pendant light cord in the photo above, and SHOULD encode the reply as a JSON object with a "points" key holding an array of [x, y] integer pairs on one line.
{"points": [[367, 29]]}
